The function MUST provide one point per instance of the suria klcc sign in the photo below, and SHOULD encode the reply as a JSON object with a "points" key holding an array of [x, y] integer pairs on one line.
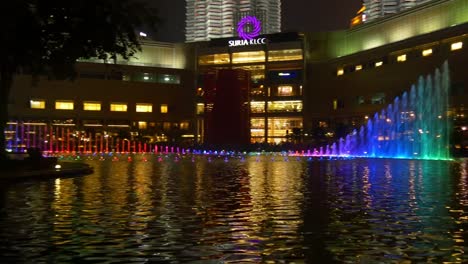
{"points": [[248, 38]]}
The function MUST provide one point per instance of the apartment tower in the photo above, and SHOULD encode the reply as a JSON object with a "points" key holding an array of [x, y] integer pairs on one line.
{"points": [[210, 19]]}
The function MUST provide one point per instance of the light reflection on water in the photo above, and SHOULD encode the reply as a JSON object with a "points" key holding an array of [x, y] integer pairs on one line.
{"points": [[255, 210]]}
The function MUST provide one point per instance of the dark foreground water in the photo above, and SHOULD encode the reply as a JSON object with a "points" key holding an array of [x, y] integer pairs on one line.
{"points": [[257, 209]]}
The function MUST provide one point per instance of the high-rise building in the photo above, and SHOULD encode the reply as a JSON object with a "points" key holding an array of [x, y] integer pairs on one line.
{"points": [[380, 8], [210, 19]]}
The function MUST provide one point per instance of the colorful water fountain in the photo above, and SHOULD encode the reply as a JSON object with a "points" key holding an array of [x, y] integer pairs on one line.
{"points": [[415, 126]]}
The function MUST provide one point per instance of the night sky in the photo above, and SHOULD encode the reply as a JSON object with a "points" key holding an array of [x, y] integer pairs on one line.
{"points": [[298, 15]]}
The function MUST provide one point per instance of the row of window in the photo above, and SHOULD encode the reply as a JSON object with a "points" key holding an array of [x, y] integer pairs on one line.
{"points": [[97, 106], [166, 126], [134, 77], [273, 107], [251, 57], [399, 58], [377, 98], [280, 91]]}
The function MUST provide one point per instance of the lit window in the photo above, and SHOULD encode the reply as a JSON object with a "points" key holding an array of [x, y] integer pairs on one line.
{"points": [[358, 67], [456, 46], [248, 57], [257, 107], [378, 64], [427, 52], [335, 104], [401, 58], [92, 106], [142, 125], [118, 107], [37, 104], [285, 55], [184, 125], [285, 90], [164, 108], [285, 106], [144, 108], [214, 59], [340, 72], [64, 105], [200, 108]]}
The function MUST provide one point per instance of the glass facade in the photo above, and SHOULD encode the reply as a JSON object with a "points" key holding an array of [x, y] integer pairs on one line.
{"points": [[248, 57], [276, 84], [285, 106], [283, 126], [214, 59], [285, 55], [257, 107]]}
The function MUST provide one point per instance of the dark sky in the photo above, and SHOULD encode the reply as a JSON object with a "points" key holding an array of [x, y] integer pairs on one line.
{"points": [[298, 15]]}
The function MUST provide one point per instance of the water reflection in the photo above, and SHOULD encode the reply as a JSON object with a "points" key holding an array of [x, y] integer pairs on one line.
{"points": [[254, 209]]}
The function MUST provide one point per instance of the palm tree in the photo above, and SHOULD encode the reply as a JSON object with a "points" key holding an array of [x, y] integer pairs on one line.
{"points": [[48, 36]]}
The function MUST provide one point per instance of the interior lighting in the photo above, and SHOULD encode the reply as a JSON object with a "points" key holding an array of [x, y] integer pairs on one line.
{"points": [[427, 52], [146, 78], [37, 104], [340, 72], [456, 46], [379, 63], [358, 67], [284, 74], [401, 58]]}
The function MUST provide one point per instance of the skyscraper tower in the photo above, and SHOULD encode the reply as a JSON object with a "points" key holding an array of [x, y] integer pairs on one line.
{"points": [[380, 8], [209, 19]]}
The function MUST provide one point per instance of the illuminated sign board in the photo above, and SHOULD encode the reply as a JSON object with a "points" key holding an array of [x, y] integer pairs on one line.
{"points": [[248, 38]]}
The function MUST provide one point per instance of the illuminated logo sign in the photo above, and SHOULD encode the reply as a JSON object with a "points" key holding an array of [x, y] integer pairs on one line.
{"points": [[248, 38], [256, 28]]}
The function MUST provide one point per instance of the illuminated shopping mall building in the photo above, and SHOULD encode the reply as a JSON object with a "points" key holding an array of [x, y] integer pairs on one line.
{"points": [[303, 87], [211, 19]]}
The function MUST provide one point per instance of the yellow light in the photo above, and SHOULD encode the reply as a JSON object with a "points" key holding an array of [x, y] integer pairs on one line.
{"points": [[427, 52], [92, 106], [378, 64], [144, 108], [340, 72], [401, 58], [118, 107], [456, 46], [358, 67], [37, 104], [142, 125], [64, 105], [164, 108]]}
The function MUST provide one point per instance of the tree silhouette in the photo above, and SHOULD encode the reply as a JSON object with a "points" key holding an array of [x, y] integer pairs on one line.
{"points": [[48, 36]]}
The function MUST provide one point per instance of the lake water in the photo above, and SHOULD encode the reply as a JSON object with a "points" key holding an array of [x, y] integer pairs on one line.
{"points": [[143, 208]]}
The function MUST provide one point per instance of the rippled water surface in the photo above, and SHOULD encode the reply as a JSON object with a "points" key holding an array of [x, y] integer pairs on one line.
{"points": [[259, 209]]}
